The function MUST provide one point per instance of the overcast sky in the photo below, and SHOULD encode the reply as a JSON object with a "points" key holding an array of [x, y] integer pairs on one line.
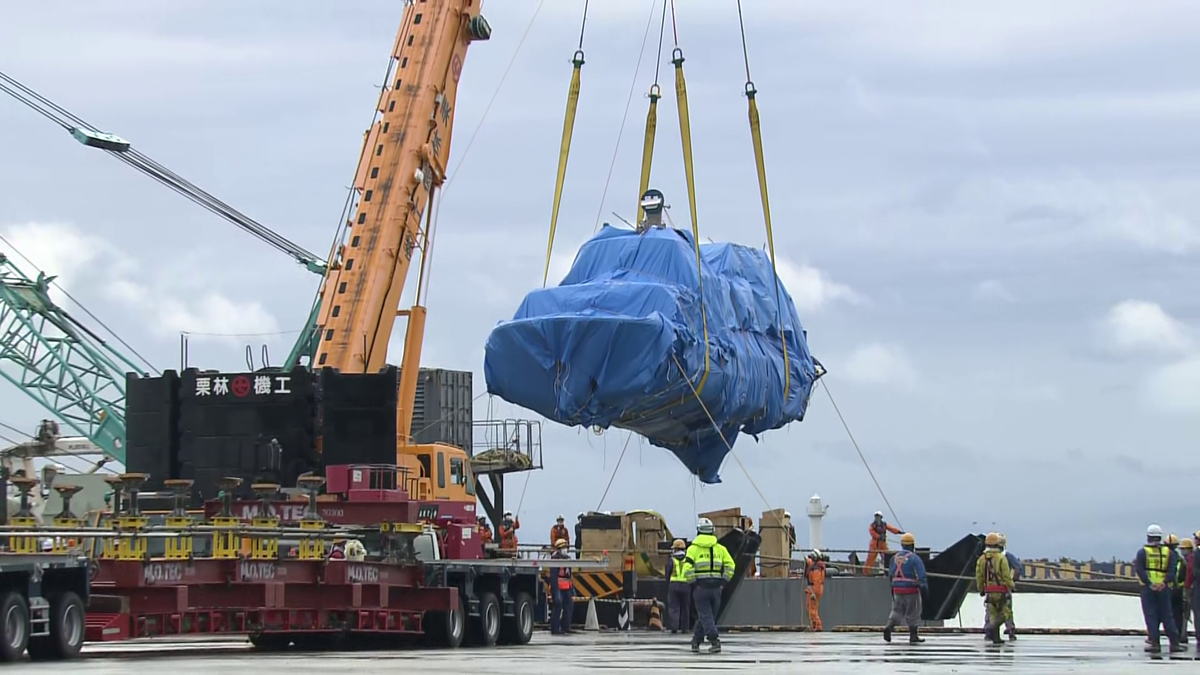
{"points": [[987, 216]]}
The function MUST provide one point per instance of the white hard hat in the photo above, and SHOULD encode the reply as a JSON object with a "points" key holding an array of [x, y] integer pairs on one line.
{"points": [[879, 514], [704, 526], [560, 517], [1154, 531], [816, 553], [787, 514], [507, 514]]}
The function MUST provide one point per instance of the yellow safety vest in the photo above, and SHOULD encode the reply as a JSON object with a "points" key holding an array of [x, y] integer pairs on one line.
{"points": [[677, 571], [709, 563], [1156, 563]]}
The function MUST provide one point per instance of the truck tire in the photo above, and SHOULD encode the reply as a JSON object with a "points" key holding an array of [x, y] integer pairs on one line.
{"points": [[486, 628], [446, 629], [518, 629], [14, 613], [66, 630]]}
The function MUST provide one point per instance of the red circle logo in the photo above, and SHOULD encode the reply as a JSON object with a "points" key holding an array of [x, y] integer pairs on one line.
{"points": [[240, 386], [456, 67]]}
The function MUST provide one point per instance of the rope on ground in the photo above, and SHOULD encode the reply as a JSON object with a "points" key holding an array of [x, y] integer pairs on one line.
{"points": [[860, 454], [614, 471], [565, 148], [761, 165], [624, 116]]}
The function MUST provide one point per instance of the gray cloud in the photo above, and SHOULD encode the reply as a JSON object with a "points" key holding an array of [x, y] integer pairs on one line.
{"points": [[913, 156]]}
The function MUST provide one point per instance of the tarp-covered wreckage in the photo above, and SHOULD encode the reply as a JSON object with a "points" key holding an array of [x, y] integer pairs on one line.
{"points": [[607, 345]]}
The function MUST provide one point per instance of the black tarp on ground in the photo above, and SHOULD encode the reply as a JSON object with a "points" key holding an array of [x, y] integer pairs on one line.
{"points": [[951, 575]]}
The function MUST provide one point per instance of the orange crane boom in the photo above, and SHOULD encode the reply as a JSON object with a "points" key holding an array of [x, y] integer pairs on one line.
{"points": [[403, 161]]}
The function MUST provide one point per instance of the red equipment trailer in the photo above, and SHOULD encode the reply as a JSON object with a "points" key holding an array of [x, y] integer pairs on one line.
{"points": [[266, 571]]}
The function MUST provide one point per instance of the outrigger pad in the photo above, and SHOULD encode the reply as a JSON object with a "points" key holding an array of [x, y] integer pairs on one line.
{"points": [[606, 347]]}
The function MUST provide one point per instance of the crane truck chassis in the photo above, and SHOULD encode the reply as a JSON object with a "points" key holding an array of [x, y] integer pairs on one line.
{"points": [[275, 581]]}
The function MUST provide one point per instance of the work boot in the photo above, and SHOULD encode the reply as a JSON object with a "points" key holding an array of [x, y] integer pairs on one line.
{"points": [[696, 644], [714, 645], [913, 638], [887, 631], [1153, 647], [1012, 634], [1177, 647]]}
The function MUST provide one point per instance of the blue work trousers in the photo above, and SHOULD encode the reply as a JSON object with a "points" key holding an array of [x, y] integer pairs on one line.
{"points": [[708, 603], [1156, 608], [679, 605], [563, 611]]}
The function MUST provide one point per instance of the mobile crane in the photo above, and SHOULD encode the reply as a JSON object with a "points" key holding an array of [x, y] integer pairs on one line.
{"points": [[401, 165]]}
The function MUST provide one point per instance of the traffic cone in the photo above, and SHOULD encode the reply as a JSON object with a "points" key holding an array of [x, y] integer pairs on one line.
{"points": [[655, 617], [591, 622]]}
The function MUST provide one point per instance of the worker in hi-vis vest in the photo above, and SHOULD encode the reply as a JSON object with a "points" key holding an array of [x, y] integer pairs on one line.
{"points": [[708, 566]]}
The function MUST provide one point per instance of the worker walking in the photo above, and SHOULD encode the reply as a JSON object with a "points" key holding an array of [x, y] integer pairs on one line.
{"points": [[1014, 564], [559, 531], [508, 532], [709, 567], [907, 572], [879, 529], [814, 575], [563, 587], [993, 578], [679, 590], [1153, 564], [1187, 552]]}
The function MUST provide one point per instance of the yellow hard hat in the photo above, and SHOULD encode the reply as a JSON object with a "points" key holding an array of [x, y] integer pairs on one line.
{"points": [[992, 539], [1187, 543], [1172, 540], [561, 543], [678, 544], [907, 539]]}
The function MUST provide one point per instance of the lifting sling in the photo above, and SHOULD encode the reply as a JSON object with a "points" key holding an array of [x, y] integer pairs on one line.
{"points": [[760, 163], [685, 134], [651, 121], [565, 148]]}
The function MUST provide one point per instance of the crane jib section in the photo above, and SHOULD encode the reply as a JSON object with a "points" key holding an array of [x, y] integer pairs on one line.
{"points": [[403, 159]]}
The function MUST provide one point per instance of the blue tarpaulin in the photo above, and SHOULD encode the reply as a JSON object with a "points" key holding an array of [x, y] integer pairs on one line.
{"points": [[606, 346]]}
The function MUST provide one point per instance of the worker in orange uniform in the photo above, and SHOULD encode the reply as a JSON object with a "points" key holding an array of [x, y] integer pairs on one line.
{"points": [[560, 531], [879, 531], [814, 574], [508, 532], [485, 531]]}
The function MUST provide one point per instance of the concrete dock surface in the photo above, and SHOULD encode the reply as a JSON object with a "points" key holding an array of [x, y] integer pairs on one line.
{"points": [[646, 653]]}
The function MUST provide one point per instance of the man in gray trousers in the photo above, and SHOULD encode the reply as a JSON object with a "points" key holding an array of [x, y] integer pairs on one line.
{"points": [[907, 573]]}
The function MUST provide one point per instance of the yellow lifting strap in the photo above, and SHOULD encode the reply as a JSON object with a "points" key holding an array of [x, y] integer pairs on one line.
{"points": [[685, 134], [648, 148], [761, 164], [563, 151]]}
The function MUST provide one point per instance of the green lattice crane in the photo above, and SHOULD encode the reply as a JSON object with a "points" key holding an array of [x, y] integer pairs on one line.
{"points": [[69, 370]]}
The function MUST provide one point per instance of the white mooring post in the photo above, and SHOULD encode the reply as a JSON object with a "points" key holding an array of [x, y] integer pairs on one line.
{"points": [[816, 511]]}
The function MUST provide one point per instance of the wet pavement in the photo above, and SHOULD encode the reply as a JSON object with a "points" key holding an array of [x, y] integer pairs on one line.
{"points": [[648, 652]]}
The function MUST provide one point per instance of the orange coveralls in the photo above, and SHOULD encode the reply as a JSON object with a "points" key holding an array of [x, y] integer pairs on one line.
{"points": [[508, 535], [485, 533], [879, 531], [814, 573], [559, 532]]}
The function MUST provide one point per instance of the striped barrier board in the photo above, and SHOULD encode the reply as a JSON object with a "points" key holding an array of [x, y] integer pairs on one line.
{"points": [[597, 584]]}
